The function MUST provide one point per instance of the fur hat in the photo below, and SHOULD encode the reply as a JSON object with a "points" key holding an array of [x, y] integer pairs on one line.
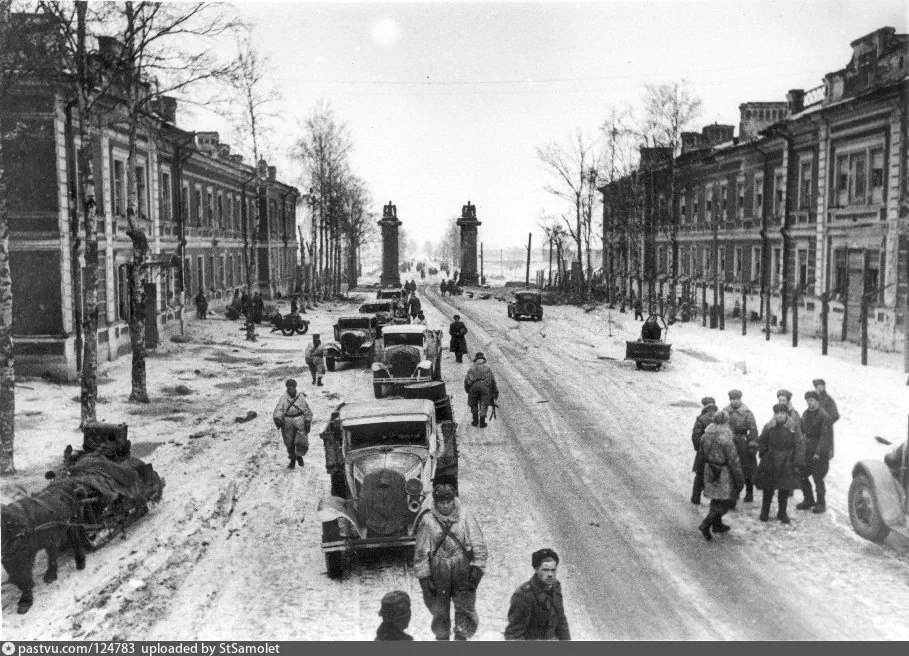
{"points": [[811, 394], [818, 381], [395, 606], [710, 407], [443, 492], [707, 400], [735, 394], [479, 356], [785, 393], [780, 407], [290, 383], [316, 337], [721, 417], [537, 558], [457, 317]]}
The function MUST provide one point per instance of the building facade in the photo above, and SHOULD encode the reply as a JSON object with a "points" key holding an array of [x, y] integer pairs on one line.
{"points": [[808, 203], [205, 212]]}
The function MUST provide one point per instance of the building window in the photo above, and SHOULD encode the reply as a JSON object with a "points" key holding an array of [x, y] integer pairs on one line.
{"points": [[220, 210], [661, 259], [223, 272], [803, 269], [777, 262], [805, 196], [708, 205], [857, 164], [724, 205], [165, 196], [210, 274], [230, 211], [737, 263], [756, 255], [141, 194], [683, 207], [842, 180], [692, 260], [758, 196], [184, 203], [778, 186], [695, 208], [188, 276], [209, 209], [123, 293], [721, 262], [198, 205], [705, 260], [877, 175], [740, 199], [119, 188]]}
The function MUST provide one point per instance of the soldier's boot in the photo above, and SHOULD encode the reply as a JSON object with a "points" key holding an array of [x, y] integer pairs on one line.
{"points": [[483, 421], [458, 635], [476, 419], [781, 512], [807, 502], [293, 463], [300, 461], [696, 491], [749, 492], [705, 526], [820, 506], [319, 381], [765, 505]]}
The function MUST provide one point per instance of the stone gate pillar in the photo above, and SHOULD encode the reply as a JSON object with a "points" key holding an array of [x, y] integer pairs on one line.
{"points": [[389, 224], [468, 223]]}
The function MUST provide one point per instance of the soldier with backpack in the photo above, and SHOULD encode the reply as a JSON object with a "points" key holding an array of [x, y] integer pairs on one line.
{"points": [[293, 418]]}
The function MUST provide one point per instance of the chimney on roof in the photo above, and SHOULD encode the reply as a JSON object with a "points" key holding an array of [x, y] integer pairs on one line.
{"points": [[795, 100], [208, 142], [237, 158], [272, 173], [718, 133], [223, 151]]}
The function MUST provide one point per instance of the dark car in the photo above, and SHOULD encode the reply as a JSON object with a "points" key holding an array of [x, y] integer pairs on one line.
{"points": [[384, 311], [355, 339], [526, 304]]}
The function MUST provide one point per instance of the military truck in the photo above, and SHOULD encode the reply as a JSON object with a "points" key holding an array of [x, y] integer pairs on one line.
{"points": [[526, 304], [406, 354], [384, 311], [383, 457], [355, 340]]}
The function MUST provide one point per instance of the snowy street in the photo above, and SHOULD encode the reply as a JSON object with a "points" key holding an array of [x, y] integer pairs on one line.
{"points": [[587, 455]]}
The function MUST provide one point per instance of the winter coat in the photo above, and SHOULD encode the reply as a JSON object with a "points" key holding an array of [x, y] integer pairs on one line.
{"points": [[481, 373], [700, 425], [828, 405], [536, 613], [388, 631], [201, 302], [818, 434], [293, 408], [315, 356], [723, 475], [781, 452], [447, 563], [457, 330], [414, 305], [744, 434]]}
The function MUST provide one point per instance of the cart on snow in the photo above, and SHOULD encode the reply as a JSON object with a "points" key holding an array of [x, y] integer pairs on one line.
{"points": [[649, 352]]}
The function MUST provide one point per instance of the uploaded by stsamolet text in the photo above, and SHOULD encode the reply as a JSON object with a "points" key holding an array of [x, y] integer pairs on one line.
{"points": [[145, 648]]}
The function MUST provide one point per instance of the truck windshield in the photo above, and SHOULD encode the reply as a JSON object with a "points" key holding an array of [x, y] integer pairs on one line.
{"points": [[390, 433], [375, 307], [406, 339], [355, 323]]}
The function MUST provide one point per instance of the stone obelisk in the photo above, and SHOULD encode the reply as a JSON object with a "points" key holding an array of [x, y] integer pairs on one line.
{"points": [[468, 223], [389, 224]]}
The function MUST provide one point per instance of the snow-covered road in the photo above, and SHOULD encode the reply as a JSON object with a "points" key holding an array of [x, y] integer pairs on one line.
{"points": [[587, 455]]}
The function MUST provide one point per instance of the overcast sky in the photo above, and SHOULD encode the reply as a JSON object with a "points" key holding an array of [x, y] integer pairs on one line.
{"points": [[447, 101]]}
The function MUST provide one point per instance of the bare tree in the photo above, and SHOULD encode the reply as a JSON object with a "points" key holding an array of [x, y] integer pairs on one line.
{"points": [[358, 223], [254, 99]]}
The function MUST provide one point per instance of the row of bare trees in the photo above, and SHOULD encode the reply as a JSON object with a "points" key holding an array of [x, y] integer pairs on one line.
{"points": [[161, 49], [340, 202], [581, 163]]}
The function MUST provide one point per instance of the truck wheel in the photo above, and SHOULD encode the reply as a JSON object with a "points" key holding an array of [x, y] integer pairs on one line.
{"points": [[639, 364], [330, 364], [287, 331], [864, 512], [302, 328], [377, 390], [335, 561]]}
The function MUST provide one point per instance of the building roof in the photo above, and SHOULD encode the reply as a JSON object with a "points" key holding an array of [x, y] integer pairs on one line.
{"points": [[388, 410]]}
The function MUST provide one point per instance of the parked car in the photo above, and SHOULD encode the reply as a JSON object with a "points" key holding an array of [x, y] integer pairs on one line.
{"points": [[526, 304], [406, 354], [383, 459], [879, 495], [384, 311], [355, 340], [396, 295]]}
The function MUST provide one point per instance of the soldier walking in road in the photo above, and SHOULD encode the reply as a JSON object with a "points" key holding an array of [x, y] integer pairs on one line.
{"points": [[201, 305], [638, 309], [723, 475], [443, 287], [481, 388], [294, 419], [413, 305], [449, 561], [315, 359], [745, 433], [828, 405], [782, 452], [458, 344], [537, 611], [258, 308], [395, 614], [816, 427], [704, 419]]}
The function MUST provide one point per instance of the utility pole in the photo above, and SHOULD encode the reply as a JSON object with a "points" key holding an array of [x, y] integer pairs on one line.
{"points": [[527, 275], [481, 264]]}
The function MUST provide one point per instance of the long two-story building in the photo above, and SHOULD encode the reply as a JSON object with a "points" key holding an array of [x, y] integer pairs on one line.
{"points": [[809, 201]]}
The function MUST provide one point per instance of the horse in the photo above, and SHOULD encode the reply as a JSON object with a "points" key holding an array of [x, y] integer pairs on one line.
{"points": [[45, 521]]}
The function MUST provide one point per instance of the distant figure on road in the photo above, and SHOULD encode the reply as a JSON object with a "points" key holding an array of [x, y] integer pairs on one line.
{"points": [[723, 475], [745, 434], [201, 305], [420, 319], [708, 410], [536, 611], [782, 453], [443, 287], [818, 431], [413, 304], [638, 309], [315, 359], [480, 385], [258, 308], [245, 304], [828, 405], [651, 329], [293, 418], [458, 344], [449, 561], [395, 614]]}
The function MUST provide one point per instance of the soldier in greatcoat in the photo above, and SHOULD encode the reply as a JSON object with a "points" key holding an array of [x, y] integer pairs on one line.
{"points": [[481, 388], [816, 426], [449, 561], [458, 344], [723, 475], [293, 418], [537, 611], [315, 359], [782, 452], [795, 419], [708, 409], [828, 405], [745, 433]]}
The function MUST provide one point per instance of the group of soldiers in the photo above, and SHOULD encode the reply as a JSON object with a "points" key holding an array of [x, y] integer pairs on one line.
{"points": [[450, 561], [251, 307], [795, 452]]}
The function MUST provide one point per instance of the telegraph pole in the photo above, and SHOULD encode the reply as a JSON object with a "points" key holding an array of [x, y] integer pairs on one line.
{"points": [[527, 275], [481, 263]]}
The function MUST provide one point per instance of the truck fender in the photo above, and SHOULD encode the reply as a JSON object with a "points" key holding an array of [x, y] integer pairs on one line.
{"points": [[425, 364], [379, 370], [889, 495], [332, 350], [332, 508]]}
